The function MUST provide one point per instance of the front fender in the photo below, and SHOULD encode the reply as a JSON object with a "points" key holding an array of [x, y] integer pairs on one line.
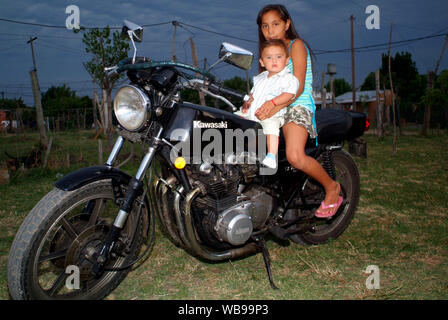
{"points": [[81, 177]]}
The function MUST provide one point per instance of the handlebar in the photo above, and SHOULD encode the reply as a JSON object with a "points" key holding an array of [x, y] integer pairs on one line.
{"points": [[146, 63], [127, 64], [223, 90]]}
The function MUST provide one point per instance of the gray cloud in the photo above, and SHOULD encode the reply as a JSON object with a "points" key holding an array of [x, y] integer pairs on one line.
{"points": [[324, 24]]}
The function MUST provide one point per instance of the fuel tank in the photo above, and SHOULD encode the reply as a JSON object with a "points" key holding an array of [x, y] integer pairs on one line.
{"points": [[201, 130]]}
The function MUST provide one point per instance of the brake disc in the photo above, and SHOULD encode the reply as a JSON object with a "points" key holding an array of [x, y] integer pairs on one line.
{"points": [[61, 240], [85, 249]]}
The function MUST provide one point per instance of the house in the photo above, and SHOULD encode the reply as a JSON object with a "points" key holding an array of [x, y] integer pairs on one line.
{"points": [[365, 101], [5, 120], [317, 96]]}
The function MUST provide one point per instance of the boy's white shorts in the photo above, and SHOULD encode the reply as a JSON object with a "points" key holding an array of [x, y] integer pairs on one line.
{"points": [[272, 125]]}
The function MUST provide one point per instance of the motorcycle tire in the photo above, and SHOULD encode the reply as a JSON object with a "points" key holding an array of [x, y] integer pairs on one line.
{"points": [[60, 232], [348, 176]]}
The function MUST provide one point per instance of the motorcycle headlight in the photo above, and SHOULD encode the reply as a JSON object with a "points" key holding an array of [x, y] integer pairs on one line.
{"points": [[131, 107]]}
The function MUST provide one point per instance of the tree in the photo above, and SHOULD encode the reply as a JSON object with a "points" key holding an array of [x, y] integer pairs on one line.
{"points": [[437, 99], [62, 100], [340, 86], [107, 49], [411, 86], [238, 84], [369, 82]]}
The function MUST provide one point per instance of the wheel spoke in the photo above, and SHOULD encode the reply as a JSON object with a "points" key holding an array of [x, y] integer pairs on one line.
{"points": [[69, 228], [52, 256], [57, 284], [97, 210]]}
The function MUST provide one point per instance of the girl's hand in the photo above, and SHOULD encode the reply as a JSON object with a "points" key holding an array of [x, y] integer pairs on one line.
{"points": [[266, 111]]}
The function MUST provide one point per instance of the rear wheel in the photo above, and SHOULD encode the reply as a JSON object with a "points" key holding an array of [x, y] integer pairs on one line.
{"points": [[323, 230], [53, 252]]}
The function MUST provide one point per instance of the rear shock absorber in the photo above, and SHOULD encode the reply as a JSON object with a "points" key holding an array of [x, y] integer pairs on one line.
{"points": [[328, 163]]}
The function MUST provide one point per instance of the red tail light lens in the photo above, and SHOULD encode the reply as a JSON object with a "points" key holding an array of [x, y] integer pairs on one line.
{"points": [[367, 124]]}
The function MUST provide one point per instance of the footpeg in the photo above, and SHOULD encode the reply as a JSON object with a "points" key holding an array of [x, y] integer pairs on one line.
{"points": [[279, 232]]}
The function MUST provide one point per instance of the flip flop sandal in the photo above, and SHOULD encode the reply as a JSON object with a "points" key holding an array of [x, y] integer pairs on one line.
{"points": [[329, 213]]}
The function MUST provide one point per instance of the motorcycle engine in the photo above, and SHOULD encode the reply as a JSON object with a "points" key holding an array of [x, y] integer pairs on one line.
{"points": [[229, 215]]}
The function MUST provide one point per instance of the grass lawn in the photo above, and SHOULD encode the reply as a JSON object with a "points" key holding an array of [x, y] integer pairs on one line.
{"points": [[401, 226]]}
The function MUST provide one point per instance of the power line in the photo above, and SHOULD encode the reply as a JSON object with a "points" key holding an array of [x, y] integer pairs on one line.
{"points": [[12, 47], [82, 27], [36, 34], [217, 33], [31, 24], [60, 47], [182, 24], [379, 45]]}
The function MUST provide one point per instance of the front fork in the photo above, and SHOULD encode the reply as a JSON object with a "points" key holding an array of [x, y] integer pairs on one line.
{"points": [[135, 189]]}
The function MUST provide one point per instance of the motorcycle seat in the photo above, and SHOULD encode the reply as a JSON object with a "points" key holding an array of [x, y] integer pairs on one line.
{"points": [[333, 125]]}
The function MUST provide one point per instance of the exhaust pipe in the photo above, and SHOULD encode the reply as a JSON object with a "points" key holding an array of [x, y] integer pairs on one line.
{"points": [[179, 217], [166, 214], [158, 200]]}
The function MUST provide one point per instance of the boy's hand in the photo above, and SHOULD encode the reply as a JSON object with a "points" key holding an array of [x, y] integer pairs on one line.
{"points": [[246, 105]]}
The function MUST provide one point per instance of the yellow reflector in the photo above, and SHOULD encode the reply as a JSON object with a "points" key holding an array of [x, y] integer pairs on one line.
{"points": [[180, 163]]}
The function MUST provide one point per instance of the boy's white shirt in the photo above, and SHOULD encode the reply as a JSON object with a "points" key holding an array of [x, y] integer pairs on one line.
{"points": [[265, 89]]}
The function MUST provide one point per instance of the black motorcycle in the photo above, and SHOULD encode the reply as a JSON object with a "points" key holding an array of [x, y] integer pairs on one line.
{"points": [[81, 239]]}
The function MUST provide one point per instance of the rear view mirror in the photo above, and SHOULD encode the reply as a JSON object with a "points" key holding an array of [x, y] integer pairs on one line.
{"points": [[236, 56], [132, 31]]}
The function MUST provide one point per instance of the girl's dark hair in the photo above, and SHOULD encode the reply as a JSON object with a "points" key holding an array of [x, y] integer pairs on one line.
{"points": [[291, 33]]}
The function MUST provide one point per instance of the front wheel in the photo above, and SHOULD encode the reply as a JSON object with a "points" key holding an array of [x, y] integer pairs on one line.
{"points": [[348, 176], [53, 252]]}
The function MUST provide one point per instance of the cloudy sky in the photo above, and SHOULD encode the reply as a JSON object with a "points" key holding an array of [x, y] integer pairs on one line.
{"points": [[324, 24]]}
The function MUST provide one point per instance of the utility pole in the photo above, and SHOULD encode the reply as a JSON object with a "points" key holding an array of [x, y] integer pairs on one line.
{"points": [[441, 55], [37, 102], [95, 110], [431, 81], [353, 63], [196, 64], [173, 56], [393, 98], [331, 70], [379, 111], [398, 114], [323, 92], [427, 116]]}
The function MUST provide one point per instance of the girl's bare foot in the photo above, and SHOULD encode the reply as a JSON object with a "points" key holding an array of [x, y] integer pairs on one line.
{"points": [[331, 198]]}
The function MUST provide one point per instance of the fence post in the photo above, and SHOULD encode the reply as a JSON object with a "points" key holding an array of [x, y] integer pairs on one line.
{"points": [[47, 153], [100, 151]]}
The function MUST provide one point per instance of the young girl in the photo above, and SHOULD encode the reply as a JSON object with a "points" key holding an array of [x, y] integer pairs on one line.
{"points": [[274, 22]]}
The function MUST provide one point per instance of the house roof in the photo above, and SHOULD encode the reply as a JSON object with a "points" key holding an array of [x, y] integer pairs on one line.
{"points": [[361, 96]]}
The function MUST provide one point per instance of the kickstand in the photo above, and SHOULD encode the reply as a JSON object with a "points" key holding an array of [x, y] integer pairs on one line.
{"points": [[267, 261]]}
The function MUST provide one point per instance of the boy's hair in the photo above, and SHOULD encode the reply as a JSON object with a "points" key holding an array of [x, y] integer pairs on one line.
{"points": [[273, 43]]}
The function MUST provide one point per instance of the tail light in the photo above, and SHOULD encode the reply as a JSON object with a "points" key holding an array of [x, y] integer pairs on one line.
{"points": [[367, 124]]}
